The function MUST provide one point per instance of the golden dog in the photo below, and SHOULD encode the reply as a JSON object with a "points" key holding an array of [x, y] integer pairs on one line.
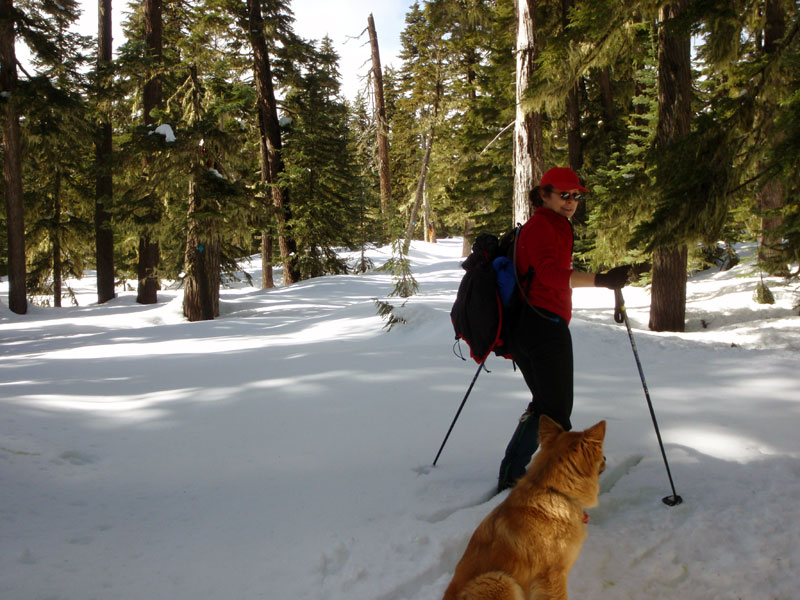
{"points": [[525, 548]]}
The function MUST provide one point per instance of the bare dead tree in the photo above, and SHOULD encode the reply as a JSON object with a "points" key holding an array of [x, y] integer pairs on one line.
{"points": [[380, 120]]}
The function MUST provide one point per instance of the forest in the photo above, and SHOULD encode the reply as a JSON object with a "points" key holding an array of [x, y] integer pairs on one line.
{"points": [[216, 133]]}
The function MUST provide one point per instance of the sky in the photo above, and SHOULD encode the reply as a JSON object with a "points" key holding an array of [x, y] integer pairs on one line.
{"points": [[341, 20]]}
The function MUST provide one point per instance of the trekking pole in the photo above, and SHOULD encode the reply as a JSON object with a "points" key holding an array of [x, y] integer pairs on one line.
{"points": [[620, 315], [478, 372]]}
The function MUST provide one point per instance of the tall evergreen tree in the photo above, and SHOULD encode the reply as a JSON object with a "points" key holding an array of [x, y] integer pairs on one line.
{"points": [[149, 251], [420, 106], [668, 303], [366, 196], [56, 171], [272, 164], [104, 183], [473, 179], [320, 175], [38, 25], [12, 160]]}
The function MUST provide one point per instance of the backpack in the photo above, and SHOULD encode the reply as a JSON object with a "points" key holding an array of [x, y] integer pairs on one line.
{"points": [[488, 296]]}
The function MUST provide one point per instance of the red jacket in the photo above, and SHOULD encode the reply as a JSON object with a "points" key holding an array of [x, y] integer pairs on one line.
{"points": [[545, 244]]}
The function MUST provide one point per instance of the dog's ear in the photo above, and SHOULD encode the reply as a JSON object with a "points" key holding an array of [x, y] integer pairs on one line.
{"points": [[548, 430], [596, 433]]}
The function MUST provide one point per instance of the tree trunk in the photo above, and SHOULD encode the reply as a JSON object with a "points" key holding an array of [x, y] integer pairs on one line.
{"points": [[12, 165], [668, 303], [575, 146], [267, 280], [769, 198], [56, 241], [147, 270], [528, 153], [149, 252], [466, 244], [606, 95], [270, 139], [770, 201], [380, 120], [104, 236], [202, 257], [574, 141], [427, 220], [201, 291], [423, 176]]}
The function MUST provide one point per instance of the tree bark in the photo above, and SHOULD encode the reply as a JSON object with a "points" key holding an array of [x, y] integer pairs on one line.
{"points": [[267, 278], [270, 140], [201, 290], [12, 165], [466, 244], [668, 302], [528, 153], [104, 188], [149, 252], [202, 257], [606, 95], [770, 197], [56, 241], [423, 176], [380, 120], [574, 139]]}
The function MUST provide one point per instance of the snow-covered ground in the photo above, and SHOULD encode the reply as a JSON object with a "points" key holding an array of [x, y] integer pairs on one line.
{"points": [[284, 449]]}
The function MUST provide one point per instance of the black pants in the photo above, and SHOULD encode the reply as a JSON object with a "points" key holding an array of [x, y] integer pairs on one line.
{"points": [[541, 346]]}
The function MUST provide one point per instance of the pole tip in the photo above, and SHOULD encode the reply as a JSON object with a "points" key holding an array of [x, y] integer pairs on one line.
{"points": [[672, 500]]}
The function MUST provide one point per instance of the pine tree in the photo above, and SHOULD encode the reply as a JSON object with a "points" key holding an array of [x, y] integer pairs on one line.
{"points": [[320, 174], [473, 180], [12, 163], [252, 23], [152, 96], [104, 182], [56, 167], [366, 196], [421, 103], [42, 27]]}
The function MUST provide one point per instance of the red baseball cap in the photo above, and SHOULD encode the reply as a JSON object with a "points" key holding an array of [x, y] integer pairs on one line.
{"points": [[563, 178]]}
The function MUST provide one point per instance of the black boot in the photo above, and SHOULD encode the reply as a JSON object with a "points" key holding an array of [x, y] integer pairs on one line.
{"points": [[523, 444]]}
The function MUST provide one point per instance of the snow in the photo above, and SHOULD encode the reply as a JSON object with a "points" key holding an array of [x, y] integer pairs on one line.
{"points": [[166, 130], [284, 449]]}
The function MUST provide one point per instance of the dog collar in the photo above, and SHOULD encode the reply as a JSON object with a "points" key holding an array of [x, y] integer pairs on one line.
{"points": [[585, 517]]}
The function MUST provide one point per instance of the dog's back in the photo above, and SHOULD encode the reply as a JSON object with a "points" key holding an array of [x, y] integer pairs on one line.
{"points": [[527, 545]]}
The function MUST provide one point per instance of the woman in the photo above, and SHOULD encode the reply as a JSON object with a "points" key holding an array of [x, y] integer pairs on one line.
{"points": [[540, 342]]}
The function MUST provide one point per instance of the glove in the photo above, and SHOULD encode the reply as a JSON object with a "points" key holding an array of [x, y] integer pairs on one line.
{"points": [[614, 279]]}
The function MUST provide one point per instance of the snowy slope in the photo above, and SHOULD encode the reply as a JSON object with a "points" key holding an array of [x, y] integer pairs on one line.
{"points": [[284, 449]]}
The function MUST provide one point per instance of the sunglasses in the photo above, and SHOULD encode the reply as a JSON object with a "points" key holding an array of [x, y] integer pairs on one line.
{"points": [[577, 196]]}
